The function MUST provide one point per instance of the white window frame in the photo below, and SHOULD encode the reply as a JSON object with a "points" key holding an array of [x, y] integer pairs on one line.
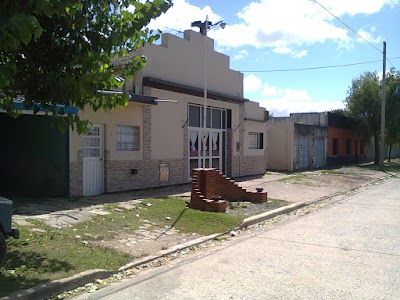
{"points": [[258, 144], [128, 138]]}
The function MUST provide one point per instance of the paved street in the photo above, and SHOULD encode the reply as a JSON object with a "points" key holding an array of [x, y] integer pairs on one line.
{"points": [[350, 250]]}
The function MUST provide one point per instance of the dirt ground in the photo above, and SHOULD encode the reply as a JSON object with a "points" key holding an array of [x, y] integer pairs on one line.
{"points": [[296, 187], [312, 185]]}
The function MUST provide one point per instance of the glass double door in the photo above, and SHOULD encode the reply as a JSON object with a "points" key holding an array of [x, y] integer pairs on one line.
{"points": [[214, 150]]}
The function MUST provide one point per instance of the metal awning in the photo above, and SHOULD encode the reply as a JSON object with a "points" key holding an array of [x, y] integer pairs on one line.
{"points": [[19, 105]]}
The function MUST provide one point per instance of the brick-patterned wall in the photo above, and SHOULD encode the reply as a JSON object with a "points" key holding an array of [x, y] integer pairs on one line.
{"points": [[76, 176], [252, 165], [147, 132], [106, 162], [235, 166], [120, 178], [211, 189]]}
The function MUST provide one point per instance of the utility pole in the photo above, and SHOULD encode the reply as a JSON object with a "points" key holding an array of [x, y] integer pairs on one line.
{"points": [[383, 92]]}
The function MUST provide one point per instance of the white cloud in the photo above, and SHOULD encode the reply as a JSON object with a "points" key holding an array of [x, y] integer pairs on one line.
{"points": [[355, 7], [285, 25], [286, 50], [301, 54], [368, 35], [181, 15], [251, 83], [241, 54], [283, 101], [282, 50]]}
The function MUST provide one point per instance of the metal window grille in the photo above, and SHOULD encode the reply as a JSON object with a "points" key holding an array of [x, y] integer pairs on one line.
{"points": [[256, 140], [128, 138]]}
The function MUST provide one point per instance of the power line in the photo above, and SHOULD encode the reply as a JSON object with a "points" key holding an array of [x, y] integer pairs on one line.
{"points": [[176, 30], [351, 29], [337, 18], [316, 68]]}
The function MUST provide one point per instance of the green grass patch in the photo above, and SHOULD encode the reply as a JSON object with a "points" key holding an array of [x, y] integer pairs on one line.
{"points": [[339, 172], [246, 209], [393, 166], [188, 220], [39, 257], [106, 227], [49, 253], [294, 177]]}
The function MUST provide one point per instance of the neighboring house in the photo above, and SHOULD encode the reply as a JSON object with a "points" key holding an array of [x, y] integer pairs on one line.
{"points": [[293, 146], [156, 139], [312, 140]]}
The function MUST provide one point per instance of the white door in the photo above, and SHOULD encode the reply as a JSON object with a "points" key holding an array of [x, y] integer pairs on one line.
{"points": [[92, 150]]}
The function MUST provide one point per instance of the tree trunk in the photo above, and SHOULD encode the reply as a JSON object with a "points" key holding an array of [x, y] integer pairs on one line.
{"points": [[390, 151], [376, 142]]}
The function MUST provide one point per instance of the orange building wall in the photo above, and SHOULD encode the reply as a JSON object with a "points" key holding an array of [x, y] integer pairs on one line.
{"points": [[343, 134]]}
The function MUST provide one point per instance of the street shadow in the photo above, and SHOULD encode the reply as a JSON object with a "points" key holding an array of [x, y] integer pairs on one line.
{"points": [[173, 224], [32, 206], [390, 168], [23, 269]]}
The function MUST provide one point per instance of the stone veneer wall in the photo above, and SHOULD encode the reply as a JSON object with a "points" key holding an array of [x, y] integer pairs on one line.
{"points": [[146, 133], [252, 165], [235, 166], [120, 178], [76, 176]]}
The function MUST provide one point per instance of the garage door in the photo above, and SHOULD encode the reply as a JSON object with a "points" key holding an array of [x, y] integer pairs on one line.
{"points": [[33, 157], [302, 153], [319, 153]]}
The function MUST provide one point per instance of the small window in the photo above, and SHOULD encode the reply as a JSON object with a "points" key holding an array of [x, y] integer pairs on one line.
{"points": [[128, 138], [361, 146], [194, 116], [256, 140], [348, 147], [216, 118], [335, 146]]}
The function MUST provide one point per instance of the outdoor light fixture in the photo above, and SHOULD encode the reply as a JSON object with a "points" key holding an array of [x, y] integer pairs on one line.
{"points": [[204, 28]]}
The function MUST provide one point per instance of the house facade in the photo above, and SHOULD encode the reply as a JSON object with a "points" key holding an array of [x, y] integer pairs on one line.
{"points": [[312, 140], [156, 139], [294, 146]]}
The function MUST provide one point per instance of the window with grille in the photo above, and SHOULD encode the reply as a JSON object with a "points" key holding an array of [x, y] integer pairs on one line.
{"points": [[335, 146], [128, 138], [256, 140], [362, 147], [348, 147]]}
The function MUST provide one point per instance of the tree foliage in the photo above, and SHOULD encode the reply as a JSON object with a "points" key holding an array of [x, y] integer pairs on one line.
{"points": [[363, 103], [393, 109], [58, 53]]}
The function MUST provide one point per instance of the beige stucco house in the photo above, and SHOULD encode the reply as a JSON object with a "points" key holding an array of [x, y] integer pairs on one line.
{"points": [[156, 139]]}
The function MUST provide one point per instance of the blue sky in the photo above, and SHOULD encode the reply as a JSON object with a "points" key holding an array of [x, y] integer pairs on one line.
{"points": [[266, 35]]}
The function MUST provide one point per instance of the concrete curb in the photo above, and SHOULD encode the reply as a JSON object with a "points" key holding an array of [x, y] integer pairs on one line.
{"points": [[272, 213], [170, 251], [44, 291]]}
